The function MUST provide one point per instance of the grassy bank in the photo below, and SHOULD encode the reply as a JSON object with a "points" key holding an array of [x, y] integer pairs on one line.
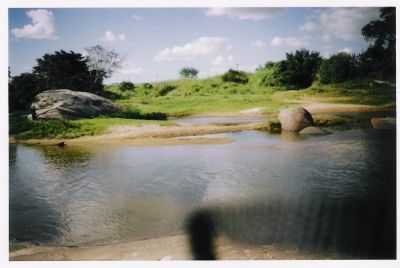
{"points": [[190, 97], [23, 128], [146, 102]]}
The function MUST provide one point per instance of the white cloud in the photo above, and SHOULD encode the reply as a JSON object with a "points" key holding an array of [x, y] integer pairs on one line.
{"points": [[129, 68], [221, 60], [259, 44], [252, 13], [202, 46], [309, 26], [109, 36], [288, 42], [134, 70], [136, 17], [346, 50], [42, 27], [340, 23]]}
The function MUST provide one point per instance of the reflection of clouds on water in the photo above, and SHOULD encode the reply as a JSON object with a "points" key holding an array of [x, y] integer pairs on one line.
{"points": [[77, 196]]}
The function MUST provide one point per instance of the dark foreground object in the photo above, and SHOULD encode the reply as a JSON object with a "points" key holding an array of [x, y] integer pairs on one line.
{"points": [[349, 229]]}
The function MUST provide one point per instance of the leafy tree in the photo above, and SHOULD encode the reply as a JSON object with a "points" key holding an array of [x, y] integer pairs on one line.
{"points": [[102, 62], [65, 70], [235, 77], [339, 68], [126, 85], [299, 69], [22, 89], [381, 54], [147, 85], [269, 75], [189, 72]]}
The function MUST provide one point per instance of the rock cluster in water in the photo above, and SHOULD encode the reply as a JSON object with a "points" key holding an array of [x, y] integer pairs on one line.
{"points": [[68, 104]]}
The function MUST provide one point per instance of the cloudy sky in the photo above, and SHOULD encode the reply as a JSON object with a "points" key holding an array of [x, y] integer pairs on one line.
{"points": [[157, 42]]}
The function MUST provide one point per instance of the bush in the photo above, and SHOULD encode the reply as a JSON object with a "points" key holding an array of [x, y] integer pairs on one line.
{"points": [[268, 76], [130, 113], [126, 85], [49, 129], [147, 85], [164, 90], [235, 77], [338, 68], [22, 89]]}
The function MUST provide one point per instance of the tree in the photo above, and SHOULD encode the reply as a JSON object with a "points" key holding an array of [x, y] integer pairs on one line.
{"points": [[381, 54], [299, 69], [22, 89], [189, 72], [126, 85], [102, 62], [339, 68], [235, 77], [65, 70]]}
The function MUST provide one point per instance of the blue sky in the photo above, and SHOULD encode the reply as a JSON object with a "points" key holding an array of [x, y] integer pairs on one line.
{"points": [[156, 43]]}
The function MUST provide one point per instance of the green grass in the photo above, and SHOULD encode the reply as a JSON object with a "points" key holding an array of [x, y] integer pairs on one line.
{"points": [[212, 95], [67, 129], [184, 97], [351, 92]]}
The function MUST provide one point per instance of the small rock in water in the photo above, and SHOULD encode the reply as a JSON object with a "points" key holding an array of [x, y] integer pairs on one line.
{"points": [[383, 122], [313, 131], [61, 144]]}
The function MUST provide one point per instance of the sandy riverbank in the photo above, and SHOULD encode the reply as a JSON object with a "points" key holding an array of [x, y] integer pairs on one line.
{"points": [[197, 134], [165, 248]]}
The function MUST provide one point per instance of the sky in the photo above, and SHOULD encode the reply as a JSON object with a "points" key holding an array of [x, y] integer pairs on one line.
{"points": [[155, 43]]}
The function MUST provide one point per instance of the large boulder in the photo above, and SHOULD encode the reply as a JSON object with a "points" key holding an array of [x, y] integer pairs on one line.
{"points": [[68, 104], [383, 122], [295, 119]]}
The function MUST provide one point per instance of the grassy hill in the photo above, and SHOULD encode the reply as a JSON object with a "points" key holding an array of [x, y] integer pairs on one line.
{"points": [[213, 95], [152, 103]]}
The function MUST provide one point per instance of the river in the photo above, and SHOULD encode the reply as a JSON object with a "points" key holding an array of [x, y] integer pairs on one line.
{"points": [[103, 194]]}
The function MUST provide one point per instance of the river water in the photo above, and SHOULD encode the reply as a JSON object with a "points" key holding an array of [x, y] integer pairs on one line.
{"points": [[103, 194]]}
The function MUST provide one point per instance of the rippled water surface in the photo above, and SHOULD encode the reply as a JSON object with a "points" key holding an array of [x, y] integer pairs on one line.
{"points": [[101, 194]]}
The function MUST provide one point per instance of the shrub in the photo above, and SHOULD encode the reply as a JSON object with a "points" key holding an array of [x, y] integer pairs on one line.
{"points": [[147, 85], [338, 68], [49, 129], [268, 76], [164, 90], [22, 89], [235, 77], [136, 114], [126, 85]]}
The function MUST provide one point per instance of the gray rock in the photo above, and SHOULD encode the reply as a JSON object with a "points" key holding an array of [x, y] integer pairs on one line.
{"points": [[68, 104], [313, 131], [383, 122], [295, 119]]}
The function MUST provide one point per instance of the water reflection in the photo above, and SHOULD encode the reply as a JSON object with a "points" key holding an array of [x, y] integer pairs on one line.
{"points": [[77, 196]]}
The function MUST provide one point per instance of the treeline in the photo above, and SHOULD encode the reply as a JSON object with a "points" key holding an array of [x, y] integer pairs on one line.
{"points": [[63, 69], [302, 67]]}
